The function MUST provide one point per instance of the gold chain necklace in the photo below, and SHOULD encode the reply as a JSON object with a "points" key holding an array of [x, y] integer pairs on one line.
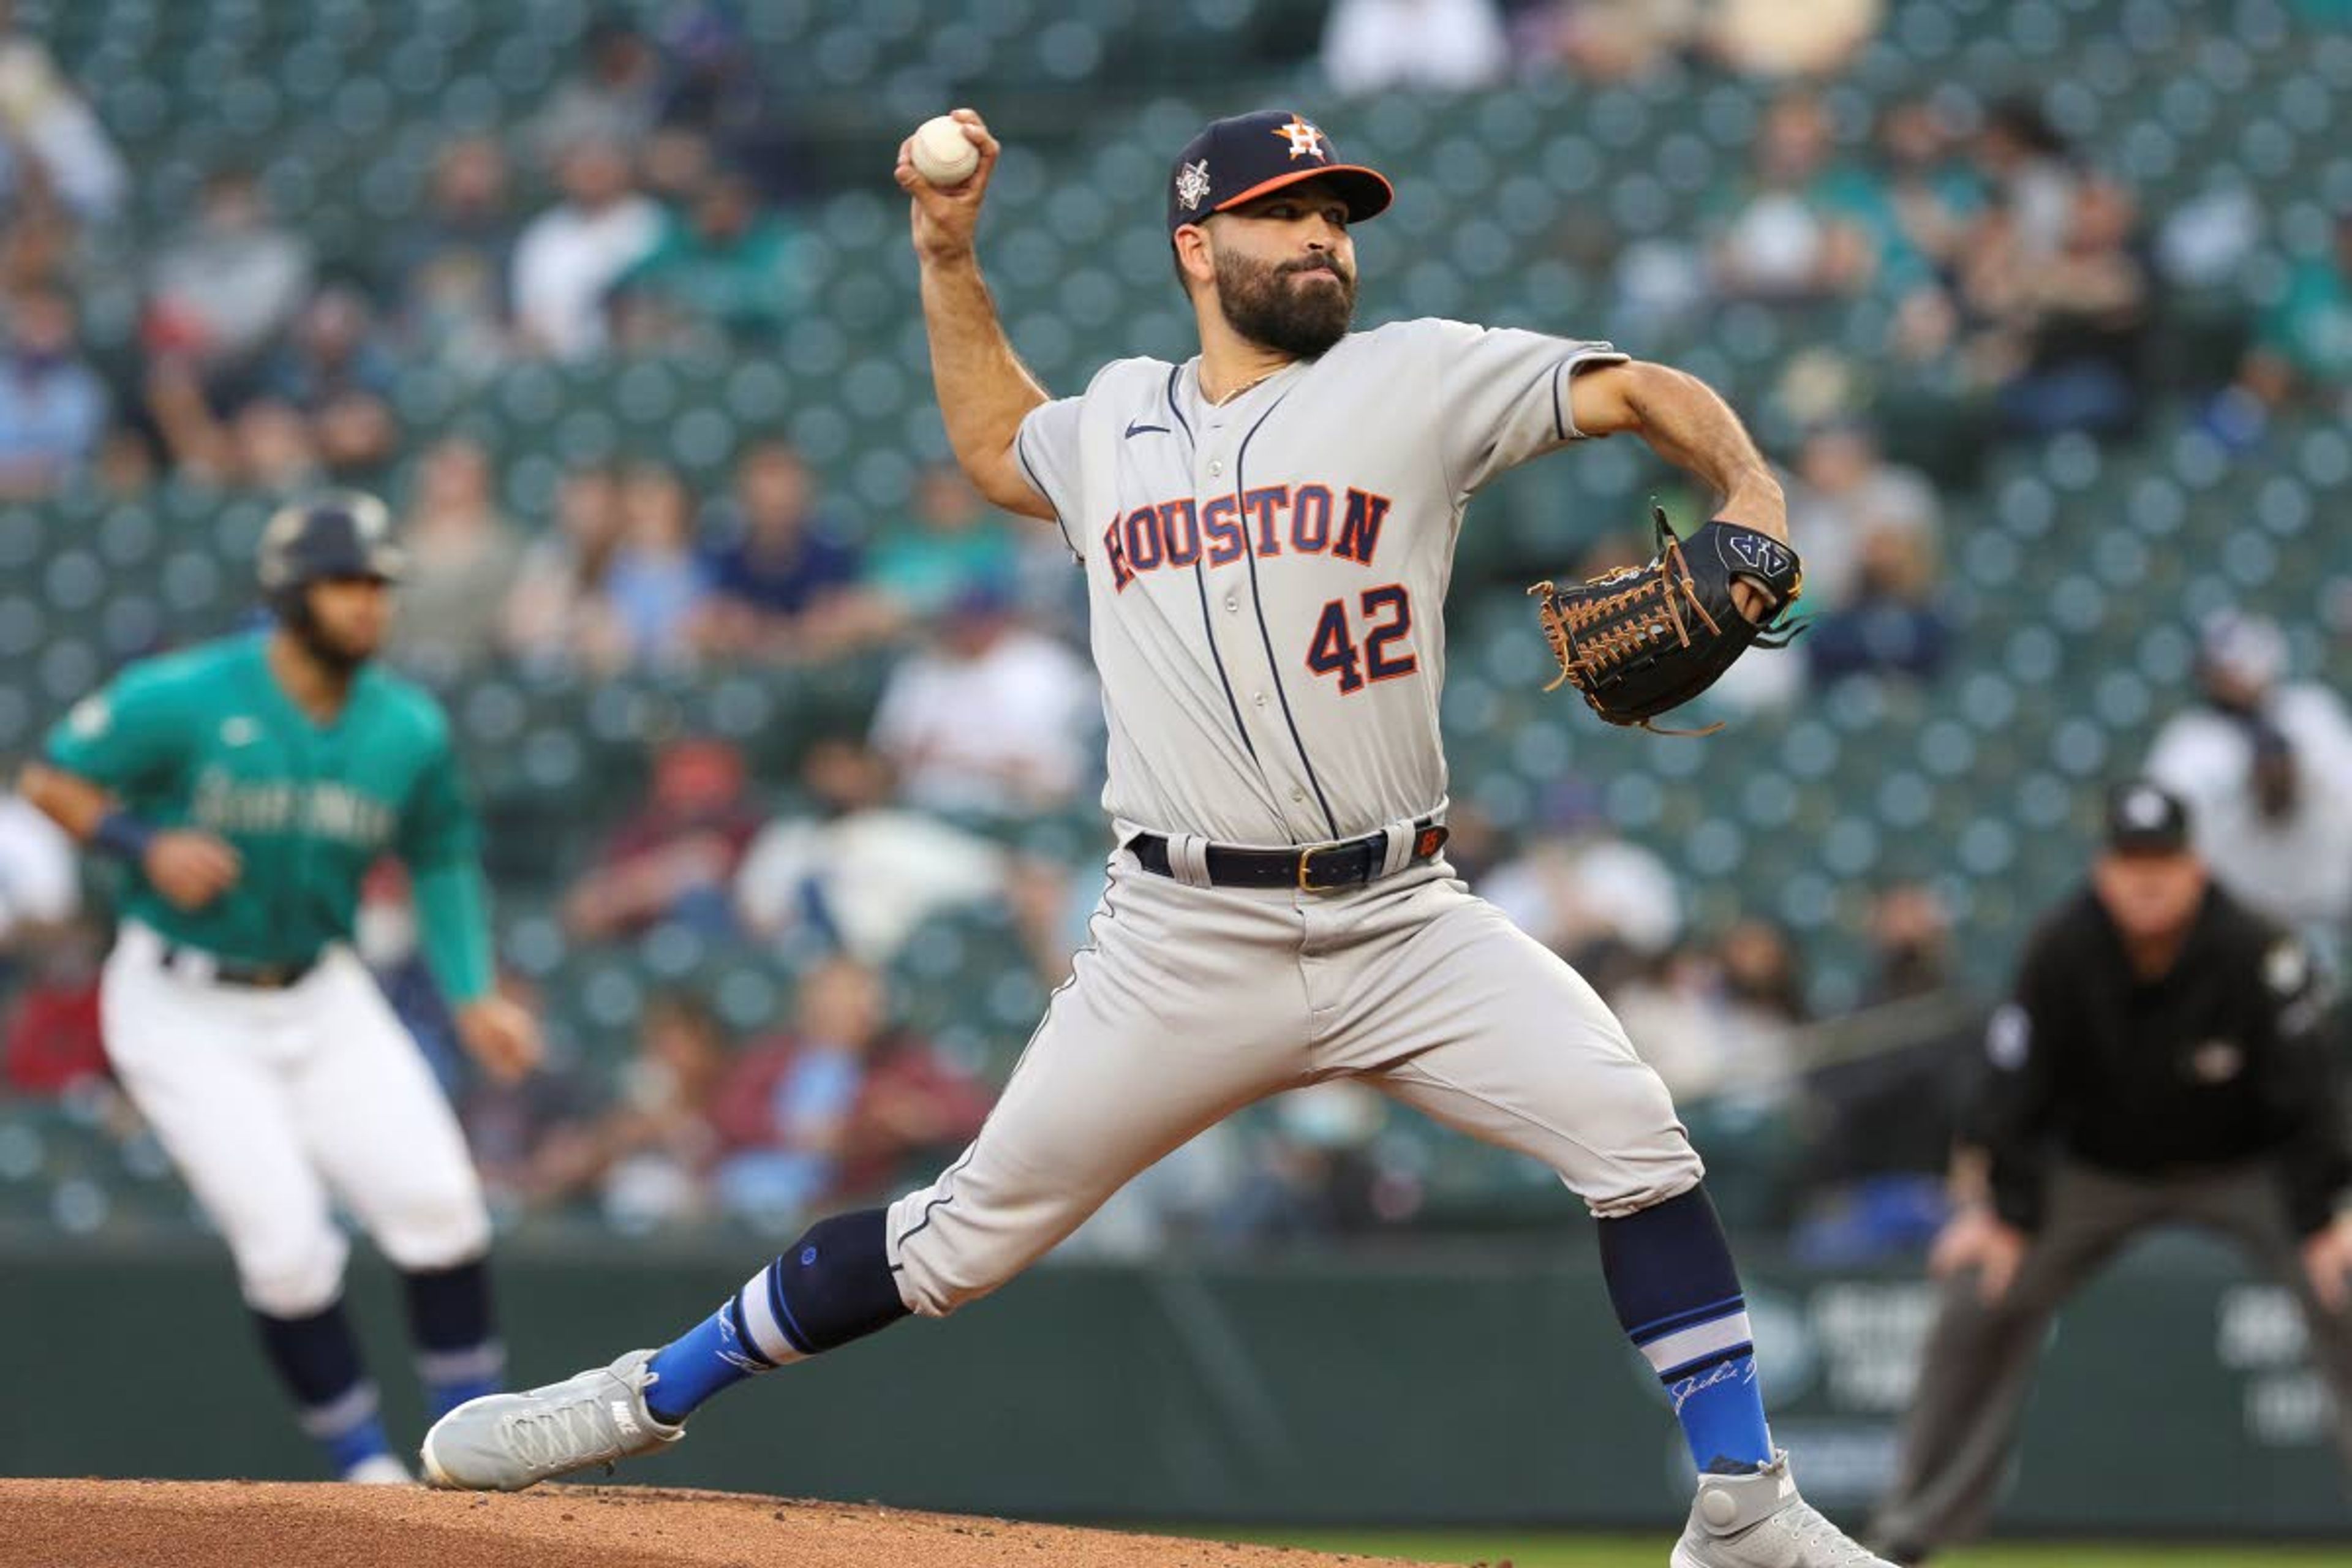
{"points": [[1236, 391]]}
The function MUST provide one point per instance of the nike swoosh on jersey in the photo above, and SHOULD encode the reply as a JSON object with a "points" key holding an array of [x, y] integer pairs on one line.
{"points": [[1136, 427]]}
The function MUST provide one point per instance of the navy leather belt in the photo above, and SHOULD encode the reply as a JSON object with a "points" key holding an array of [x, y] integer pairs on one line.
{"points": [[1320, 869]]}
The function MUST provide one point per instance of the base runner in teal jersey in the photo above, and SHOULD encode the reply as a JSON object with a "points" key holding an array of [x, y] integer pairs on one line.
{"points": [[247, 785]]}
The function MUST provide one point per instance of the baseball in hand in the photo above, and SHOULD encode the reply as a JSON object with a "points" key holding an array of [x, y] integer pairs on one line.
{"points": [[943, 154]]}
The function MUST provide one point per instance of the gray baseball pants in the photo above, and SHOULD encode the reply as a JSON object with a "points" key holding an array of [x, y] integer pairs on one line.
{"points": [[1190, 1002], [1979, 1358]]}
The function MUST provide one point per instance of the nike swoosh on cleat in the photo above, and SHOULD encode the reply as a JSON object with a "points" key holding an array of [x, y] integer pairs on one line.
{"points": [[1136, 428]]}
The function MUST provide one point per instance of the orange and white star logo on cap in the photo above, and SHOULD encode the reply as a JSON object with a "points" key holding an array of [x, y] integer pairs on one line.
{"points": [[1305, 141]]}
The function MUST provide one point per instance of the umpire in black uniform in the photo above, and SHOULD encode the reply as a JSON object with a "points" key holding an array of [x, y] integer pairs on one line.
{"points": [[2164, 1061]]}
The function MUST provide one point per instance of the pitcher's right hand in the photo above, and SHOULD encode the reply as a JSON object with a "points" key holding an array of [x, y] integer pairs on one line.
{"points": [[944, 220]]}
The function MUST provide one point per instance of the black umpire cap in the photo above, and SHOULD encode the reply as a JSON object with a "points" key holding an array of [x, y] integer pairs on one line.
{"points": [[1238, 160], [2146, 818]]}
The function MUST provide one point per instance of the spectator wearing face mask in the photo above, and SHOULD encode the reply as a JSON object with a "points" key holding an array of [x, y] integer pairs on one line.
{"points": [[2282, 845], [571, 255], [225, 287], [449, 267], [722, 262], [1894, 624], [1791, 229], [614, 94], [463, 557], [52, 405], [2205, 753], [840, 1102], [992, 719]]}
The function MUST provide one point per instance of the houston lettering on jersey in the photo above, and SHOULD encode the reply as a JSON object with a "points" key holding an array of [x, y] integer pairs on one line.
{"points": [[1266, 521]]}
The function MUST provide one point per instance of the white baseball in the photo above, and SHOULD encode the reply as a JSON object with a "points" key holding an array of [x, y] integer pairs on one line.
{"points": [[943, 154]]}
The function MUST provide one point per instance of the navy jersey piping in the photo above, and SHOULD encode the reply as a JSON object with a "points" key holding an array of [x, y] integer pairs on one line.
{"points": [[1093, 944], [1257, 608], [1020, 456]]}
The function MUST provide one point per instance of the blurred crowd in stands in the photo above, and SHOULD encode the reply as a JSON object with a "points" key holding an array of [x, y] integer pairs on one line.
{"points": [[1837, 1121], [650, 204]]}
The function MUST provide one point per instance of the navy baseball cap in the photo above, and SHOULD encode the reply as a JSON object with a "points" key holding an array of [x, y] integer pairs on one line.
{"points": [[1238, 160], [340, 534]]}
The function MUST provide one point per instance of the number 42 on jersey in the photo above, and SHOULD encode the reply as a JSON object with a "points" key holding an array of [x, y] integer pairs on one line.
{"points": [[1386, 615]]}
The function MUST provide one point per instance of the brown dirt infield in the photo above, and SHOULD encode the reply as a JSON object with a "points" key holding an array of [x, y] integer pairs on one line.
{"points": [[284, 1524]]}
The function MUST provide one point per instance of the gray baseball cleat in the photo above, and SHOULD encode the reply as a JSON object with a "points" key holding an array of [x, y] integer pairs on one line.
{"points": [[505, 1442], [1758, 1520]]}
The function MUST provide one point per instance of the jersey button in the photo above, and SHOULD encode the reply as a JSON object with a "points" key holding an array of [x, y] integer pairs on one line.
{"points": [[1259, 699], [1299, 795], [1217, 467], [1232, 601]]}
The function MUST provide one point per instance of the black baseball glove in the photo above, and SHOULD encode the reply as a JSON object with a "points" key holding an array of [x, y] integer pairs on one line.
{"points": [[1643, 640]]}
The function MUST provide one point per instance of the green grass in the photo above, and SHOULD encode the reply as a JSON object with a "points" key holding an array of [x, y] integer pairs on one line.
{"points": [[1536, 1550]]}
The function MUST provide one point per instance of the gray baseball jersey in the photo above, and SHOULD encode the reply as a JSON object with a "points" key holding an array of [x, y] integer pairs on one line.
{"points": [[1267, 581], [1268, 576]]}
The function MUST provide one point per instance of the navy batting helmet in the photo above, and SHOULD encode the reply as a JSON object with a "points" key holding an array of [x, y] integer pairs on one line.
{"points": [[342, 533]]}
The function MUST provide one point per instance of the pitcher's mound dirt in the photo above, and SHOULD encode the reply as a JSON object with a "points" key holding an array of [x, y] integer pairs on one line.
{"points": [[282, 1524]]}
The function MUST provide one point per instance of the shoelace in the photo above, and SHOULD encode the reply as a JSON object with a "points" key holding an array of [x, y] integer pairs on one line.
{"points": [[564, 1435], [1826, 1546]]}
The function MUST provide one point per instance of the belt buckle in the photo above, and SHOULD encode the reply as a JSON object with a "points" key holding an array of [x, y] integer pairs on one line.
{"points": [[1307, 882]]}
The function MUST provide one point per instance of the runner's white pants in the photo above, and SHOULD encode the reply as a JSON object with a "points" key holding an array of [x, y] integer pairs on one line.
{"points": [[272, 1103]]}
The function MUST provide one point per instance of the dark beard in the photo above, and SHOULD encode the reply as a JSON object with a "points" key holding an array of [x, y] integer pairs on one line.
{"points": [[1264, 306], [329, 655]]}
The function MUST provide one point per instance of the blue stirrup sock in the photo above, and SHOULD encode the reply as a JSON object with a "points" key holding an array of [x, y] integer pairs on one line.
{"points": [[833, 1286], [458, 1356], [1678, 1296]]}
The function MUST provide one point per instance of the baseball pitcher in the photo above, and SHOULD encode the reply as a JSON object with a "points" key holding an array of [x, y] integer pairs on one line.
{"points": [[1267, 531], [247, 785]]}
